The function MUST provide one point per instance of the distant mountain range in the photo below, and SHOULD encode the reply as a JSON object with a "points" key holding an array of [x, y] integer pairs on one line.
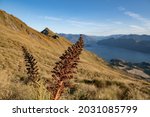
{"points": [[133, 36], [89, 40], [140, 43]]}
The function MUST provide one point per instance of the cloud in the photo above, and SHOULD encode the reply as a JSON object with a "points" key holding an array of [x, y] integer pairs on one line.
{"points": [[52, 18], [144, 22], [118, 22], [85, 23], [80, 22], [137, 17], [75, 22], [137, 28]]}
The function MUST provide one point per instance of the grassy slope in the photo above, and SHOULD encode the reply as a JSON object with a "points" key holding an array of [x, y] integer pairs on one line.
{"points": [[95, 79]]}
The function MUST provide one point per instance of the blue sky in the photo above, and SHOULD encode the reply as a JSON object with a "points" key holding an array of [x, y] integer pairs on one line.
{"points": [[92, 17]]}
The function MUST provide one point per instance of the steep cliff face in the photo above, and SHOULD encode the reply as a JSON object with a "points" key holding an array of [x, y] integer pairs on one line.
{"points": [[95, 79]]}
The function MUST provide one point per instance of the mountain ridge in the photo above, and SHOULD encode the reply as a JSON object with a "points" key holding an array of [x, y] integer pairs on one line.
{"points": [[127, 44], [141, 45], [96, 38]]}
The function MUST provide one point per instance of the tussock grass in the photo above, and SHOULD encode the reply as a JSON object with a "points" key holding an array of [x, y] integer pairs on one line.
{"points": [[10, 90]]}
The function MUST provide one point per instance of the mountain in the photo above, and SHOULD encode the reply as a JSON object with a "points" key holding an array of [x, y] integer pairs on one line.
{"points": [[89, 40], [134, 42], [50, 33], [117, 46], [95, 79], [139, 43], [134, 37]]}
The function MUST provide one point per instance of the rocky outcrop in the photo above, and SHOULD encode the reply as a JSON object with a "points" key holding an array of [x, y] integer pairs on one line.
{"points": [[49, 33]]}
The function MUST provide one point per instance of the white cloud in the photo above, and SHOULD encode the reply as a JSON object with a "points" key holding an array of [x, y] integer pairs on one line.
{"points": [[85, 23], [118, 22], [52, 18], [144, 22], [80, 22], [138, 17], [137, 28], [75, 22]]}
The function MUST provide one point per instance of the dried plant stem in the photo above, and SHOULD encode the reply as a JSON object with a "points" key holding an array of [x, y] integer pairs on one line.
{"points": [[65, 68], [31, 66], [59, 90]]}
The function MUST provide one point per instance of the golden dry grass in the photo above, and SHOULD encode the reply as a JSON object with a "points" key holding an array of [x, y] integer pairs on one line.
{"points": [[94, 80]]}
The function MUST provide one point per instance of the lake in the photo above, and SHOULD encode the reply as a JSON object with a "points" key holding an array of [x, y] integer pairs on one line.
{"points": [[109, 53]]}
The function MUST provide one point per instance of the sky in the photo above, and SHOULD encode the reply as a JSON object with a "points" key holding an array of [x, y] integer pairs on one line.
{"points": [[91, 17]]}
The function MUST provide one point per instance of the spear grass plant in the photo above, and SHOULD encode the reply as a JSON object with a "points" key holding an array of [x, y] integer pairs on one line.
{"points": [[65, 68], [31, 66], [33, 75]]}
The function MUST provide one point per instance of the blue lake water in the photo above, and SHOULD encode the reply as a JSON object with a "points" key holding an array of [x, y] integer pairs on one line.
{"points": [[109, 53]]}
